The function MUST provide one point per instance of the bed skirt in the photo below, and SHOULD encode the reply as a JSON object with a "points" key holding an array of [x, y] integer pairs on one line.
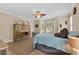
{"points": [[50, 50]]}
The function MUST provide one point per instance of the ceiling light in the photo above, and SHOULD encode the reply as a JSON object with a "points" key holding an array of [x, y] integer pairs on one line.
{"points": [[38, 14]]}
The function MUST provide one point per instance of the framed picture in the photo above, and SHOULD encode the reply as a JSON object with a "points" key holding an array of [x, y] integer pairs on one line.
{"points": [[36, 25], [60, 25], [74, 10], [65, 22]]}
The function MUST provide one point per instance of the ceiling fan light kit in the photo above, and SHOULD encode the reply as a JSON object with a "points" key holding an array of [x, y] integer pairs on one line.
{"points": [[38, 14]]}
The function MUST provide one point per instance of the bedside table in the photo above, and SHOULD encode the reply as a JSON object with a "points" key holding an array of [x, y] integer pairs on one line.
{"points": [[3, 48], [74, 45]]}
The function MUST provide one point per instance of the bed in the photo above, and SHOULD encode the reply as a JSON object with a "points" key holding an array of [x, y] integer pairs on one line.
{"points": [[50, 40]]}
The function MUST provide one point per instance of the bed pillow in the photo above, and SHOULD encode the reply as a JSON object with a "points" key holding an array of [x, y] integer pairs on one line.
{"points": [[73, 33], [57, 34], [64, 33]]}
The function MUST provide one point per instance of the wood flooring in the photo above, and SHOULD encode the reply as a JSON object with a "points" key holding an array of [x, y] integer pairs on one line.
{"points": [[22, 47]]}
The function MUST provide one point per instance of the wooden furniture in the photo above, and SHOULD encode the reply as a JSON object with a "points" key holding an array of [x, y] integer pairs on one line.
{"points": [[74, 45], [21, 31], [3, 48]]}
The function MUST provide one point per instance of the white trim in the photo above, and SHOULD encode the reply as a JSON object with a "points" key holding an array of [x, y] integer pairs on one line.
{"points": [[8, 41], [9, 13], [1, 38], [4, 48]]}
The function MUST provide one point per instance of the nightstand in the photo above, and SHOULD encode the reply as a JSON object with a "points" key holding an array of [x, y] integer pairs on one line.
{"points": [[3, 48], [74, 45]]}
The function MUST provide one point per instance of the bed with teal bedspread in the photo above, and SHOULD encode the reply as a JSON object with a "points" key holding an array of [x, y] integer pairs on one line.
{"points": [[50, 40]]}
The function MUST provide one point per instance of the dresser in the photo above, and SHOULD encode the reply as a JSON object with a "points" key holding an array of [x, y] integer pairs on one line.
{"points": [[21, 31]]}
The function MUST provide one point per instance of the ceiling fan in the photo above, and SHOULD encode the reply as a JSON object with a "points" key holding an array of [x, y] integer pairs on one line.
{"points": [[38, 14]]}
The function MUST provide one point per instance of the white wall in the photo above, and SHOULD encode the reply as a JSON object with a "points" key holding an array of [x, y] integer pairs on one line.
{"points": [[6, 29], [75, 19], [6, 26], [55, 26], [61, 20]]}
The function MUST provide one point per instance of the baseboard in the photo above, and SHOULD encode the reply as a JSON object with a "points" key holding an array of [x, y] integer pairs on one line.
{"points": [[5, 41], [8, 41]]}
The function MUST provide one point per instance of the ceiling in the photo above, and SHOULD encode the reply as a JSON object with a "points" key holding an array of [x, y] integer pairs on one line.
{"points": [[27, 9]]}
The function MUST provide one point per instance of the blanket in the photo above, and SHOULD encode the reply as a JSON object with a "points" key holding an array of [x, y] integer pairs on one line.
{"points": [[50, 40]]}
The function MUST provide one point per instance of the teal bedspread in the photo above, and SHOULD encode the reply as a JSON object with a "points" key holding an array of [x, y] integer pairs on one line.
{"points": [[50, 40]]}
